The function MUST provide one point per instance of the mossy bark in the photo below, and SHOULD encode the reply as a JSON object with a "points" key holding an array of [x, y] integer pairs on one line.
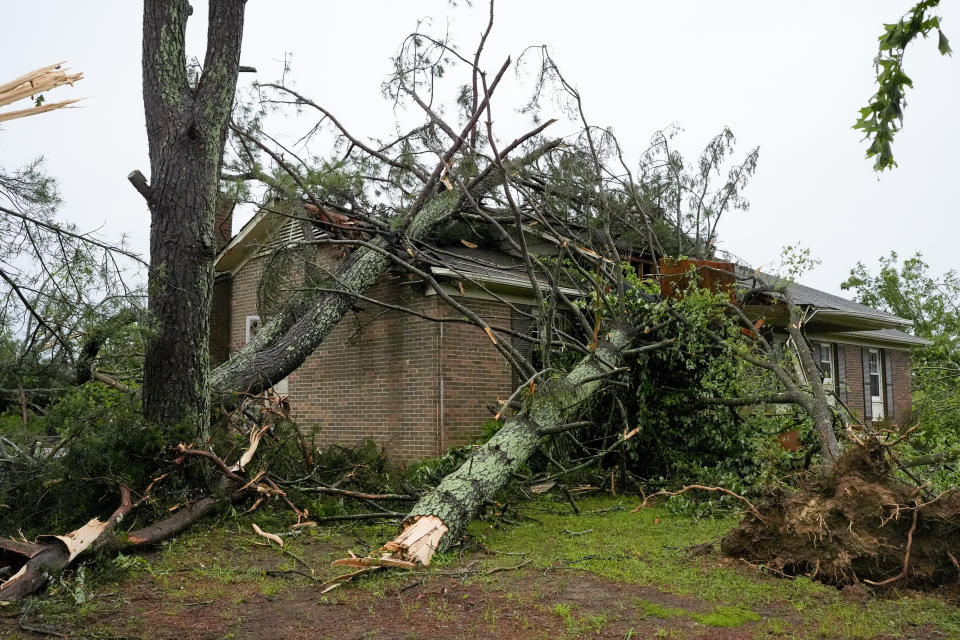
{"points": [[462, 494], [302, 324], [186, 129]]}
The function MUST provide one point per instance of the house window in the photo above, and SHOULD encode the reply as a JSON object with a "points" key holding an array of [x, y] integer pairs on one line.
{"points": [[876, 384], [253, 326], [825, 360], [253, 323]]}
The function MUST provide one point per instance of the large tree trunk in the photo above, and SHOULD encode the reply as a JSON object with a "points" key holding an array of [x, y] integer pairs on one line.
{"points": [[186, 129], [449, 508]]}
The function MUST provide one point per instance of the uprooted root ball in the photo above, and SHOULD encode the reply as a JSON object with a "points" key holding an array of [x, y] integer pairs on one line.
{"points": [[857, 524]]}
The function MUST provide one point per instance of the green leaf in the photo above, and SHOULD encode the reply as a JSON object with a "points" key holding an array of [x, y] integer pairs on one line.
{"points": [[943, 44]]}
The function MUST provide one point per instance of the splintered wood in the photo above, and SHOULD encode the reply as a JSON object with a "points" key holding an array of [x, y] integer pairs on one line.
{"points": [[419, 541], [77, 541], [33, 84], [414, 547]]}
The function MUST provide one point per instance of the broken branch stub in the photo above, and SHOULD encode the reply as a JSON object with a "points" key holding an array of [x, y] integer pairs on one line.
{"points": [[440, 517]]}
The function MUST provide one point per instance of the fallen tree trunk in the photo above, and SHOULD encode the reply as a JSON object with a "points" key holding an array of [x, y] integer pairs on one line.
{"points": [[35, 562], [441, 516], [40, 561], [307, 319]]}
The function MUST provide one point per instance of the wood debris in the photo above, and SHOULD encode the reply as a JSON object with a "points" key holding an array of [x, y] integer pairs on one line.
{"points": [[269, 536], [33, 84]]}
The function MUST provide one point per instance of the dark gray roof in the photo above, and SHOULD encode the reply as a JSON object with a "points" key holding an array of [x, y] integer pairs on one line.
{"points": [[805, 295], [482, 262], [808, 296]]}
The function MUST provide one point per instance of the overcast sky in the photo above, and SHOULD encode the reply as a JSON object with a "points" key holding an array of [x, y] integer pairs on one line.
{"points": [[788, 77]]}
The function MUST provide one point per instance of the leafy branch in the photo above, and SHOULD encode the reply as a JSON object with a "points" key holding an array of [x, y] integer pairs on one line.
{"points": [[882, 118]]}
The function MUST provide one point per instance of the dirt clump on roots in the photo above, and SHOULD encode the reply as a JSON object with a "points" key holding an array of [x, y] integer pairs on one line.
{"points": [[856, 524]]}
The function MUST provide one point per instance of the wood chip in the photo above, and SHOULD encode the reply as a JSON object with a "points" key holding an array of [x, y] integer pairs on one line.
{"points": [[543, 487], [269, 536]]}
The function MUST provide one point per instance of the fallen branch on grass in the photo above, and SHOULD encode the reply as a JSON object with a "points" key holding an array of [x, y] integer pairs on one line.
{"points": [[269, 536], [701, 487], [359, 495], [33, 563]]}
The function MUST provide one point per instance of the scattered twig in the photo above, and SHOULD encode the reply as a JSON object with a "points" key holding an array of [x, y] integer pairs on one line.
{"points": [[607, 510], [269, 536], [573, 505], [278, 573], [358, 494], [749, 504], [361, 516]]}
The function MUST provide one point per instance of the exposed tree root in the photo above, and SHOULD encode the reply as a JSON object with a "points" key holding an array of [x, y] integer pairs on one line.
{"points": [[858, 524]]}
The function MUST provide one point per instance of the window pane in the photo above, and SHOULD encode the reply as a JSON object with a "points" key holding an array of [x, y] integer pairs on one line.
{"points": [[826, 359]]}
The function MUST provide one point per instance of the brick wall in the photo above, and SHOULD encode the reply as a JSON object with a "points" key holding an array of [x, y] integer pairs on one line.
{"points": [[853, 359], [474, 373], [374, 377], [415, 387], [244, 300], [220, 320], [900, 365], [902, 397]]}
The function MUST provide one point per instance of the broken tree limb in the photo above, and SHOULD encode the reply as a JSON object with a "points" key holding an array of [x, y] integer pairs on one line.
{"points": [[307, 319], [701, 487], [58, 552], [33, 84], [440, 517], [359, 495], [941, 457], [35, 562]]}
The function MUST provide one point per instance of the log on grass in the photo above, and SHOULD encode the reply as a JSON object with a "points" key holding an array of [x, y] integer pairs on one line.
{"points": [[441, 516], [54, 553]]}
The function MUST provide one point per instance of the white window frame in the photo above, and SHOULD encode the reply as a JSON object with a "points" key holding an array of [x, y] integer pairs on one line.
{"points": [[830, 370], [252, 325], [876, 401]]}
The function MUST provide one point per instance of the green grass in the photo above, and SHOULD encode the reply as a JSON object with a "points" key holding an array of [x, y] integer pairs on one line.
{"points": [[649, 548], [721, 616], [225, 561]]}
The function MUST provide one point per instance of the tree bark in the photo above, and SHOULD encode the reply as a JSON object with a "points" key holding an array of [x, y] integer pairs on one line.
{"points": [[306, 320], [462, 494], [816, 404], [186, 130]]}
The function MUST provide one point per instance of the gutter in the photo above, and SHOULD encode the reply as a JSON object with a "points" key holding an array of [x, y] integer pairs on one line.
{"points": [[517, 283]]}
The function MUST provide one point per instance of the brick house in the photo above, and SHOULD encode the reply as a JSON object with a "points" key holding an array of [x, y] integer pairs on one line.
{"points": [[864, 354], [417, 387]]}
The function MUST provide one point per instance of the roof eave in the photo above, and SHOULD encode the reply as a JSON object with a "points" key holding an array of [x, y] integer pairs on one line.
{"points": [[858, 319], [854, 337]]}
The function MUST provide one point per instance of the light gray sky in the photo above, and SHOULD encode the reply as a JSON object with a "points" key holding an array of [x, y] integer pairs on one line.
{"points": [[788, 77]]}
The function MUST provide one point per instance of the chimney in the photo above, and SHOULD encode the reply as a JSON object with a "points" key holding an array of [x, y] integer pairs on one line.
{"points": [[223, 221]]}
